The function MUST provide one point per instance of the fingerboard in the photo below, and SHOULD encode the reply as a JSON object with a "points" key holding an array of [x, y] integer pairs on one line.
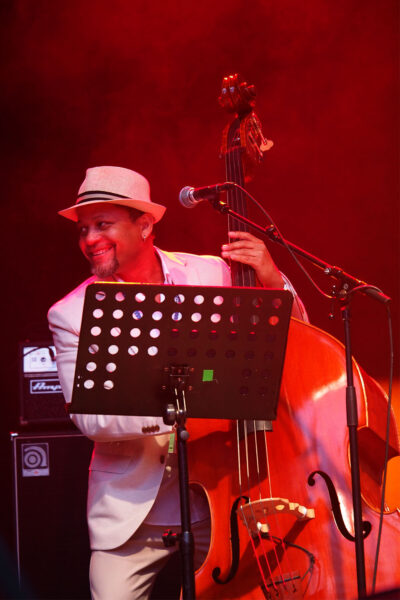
{"points": [[242, 275]]}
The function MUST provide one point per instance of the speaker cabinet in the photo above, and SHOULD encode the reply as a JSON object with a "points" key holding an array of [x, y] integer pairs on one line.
{"points": [[51, 537]]}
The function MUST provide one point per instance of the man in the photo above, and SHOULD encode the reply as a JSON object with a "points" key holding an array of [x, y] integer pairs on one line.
{"points": [[133, 491]]}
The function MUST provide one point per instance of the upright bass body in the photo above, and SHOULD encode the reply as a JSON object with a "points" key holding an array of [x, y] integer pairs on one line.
{"points": [[290, 545]]}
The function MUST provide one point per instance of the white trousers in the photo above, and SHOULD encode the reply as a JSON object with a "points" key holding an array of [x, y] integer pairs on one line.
{"points": [[129, 571]]}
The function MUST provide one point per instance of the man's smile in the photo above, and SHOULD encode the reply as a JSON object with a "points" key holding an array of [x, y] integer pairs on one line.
{"points": [[100, 252]]}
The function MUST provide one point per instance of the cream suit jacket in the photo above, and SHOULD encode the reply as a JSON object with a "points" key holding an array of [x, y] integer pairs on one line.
{"points": [[129, 453]]}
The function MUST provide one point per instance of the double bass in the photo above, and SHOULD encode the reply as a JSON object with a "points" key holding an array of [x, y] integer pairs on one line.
{"points": [[280, 500]]}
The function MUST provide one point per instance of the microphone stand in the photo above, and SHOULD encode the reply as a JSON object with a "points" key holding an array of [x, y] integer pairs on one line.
{"points": [[347, 285]]}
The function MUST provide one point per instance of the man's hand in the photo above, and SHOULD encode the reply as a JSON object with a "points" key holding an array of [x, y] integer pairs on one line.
{"points": [[250, 250]]}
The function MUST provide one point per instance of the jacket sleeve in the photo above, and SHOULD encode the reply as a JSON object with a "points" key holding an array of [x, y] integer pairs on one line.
{"points": [[299, 310], [101, 428]]}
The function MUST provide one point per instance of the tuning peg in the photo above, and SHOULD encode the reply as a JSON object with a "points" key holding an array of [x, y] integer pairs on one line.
{"points": [[251, 91]]}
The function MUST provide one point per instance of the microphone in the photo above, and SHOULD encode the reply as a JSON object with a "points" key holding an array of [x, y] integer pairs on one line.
{"points": [[190, 196]]}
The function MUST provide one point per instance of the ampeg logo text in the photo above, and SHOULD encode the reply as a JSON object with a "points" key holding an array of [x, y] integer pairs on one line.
{"points": [[35, 460], [44, 386]]}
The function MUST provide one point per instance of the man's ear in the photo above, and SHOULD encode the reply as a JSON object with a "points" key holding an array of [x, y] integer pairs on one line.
{"points": [[146, 222]]}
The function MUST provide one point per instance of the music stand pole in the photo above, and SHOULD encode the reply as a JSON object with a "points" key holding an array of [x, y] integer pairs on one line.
{"points": [[176, 415], [186, 540]]}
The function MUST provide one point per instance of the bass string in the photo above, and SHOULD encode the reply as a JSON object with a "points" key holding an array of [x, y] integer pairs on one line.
{"points": [[257, 459], [249, 477], [243, 274], [240, 481], [248, 528], [280, 536], [259, 479]]}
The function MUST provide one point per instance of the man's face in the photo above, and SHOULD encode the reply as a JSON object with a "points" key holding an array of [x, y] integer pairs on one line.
{"points": [[108, 238]]}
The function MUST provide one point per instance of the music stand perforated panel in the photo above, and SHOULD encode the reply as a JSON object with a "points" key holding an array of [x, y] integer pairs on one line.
{"points": [[233, 340]]}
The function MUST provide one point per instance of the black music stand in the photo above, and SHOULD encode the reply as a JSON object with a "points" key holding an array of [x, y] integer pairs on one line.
{"points": [[177, 352]]}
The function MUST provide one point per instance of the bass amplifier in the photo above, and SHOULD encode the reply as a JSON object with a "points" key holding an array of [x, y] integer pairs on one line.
{"points": [[41, 398]]}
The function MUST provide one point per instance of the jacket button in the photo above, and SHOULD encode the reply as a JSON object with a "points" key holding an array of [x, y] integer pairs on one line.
{"points": [[145, 429]]}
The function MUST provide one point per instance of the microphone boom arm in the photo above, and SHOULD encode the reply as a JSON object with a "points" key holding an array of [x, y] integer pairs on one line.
{"points": [[348, 282]]}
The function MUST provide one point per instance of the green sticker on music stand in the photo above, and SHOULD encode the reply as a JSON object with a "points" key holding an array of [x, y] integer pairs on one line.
{"points": [[208, 375]]}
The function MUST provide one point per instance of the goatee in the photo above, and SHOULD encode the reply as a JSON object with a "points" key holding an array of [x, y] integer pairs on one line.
{"points": [[107, 270]]}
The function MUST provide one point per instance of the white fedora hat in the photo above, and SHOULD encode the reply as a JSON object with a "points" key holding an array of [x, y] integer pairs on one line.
{"points": [[115, 185]]}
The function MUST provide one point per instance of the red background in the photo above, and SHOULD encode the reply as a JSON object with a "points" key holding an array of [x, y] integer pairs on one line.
{"points": [[135, 84]]}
